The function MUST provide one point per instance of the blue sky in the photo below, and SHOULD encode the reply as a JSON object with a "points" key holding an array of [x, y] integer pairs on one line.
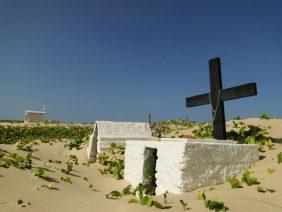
{"points": [[119, 60]]}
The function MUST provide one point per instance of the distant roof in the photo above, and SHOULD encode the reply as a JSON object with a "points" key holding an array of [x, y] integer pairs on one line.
{"points": [[110, 129], [32, 111]]}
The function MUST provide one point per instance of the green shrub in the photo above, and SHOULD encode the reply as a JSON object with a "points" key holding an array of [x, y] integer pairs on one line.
{"points": [[13, 134], [214, 204], [204, 131], [12, 159], [248, 179], [265, 116], [279, 157], [40, 172], [235, 183]]}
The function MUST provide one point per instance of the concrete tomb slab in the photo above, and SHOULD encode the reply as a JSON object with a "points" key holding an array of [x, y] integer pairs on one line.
{"points": [[107, 132], [186, 164]]}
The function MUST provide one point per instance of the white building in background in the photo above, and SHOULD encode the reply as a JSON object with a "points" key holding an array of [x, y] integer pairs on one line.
{"points": [[34, 116]]}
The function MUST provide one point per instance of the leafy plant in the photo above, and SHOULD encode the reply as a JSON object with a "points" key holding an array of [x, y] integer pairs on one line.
{"points": [[12, 159], [50, 186], [248, 179], [66, 179], [92, 187], [166, 127], [68, 170], [113, 195], [55, 161], [75, 144], [91, 161], [146, 200], [279, 157], [102, 159], [235, 183], [117, 194], [25, 147], [149, 172], [40, 172], [73, 159], [165, 198], [113, 163], [265, 116], [270, 170], [263, 190], [214, 204], [204, 131], [184, 205], [251, 134]]}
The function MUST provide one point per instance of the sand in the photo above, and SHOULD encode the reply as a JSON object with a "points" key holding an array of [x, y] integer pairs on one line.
{"points": [[21, 184]]}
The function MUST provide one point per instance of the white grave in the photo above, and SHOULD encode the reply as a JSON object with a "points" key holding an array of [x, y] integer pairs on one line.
{"points": [[187, 164], [34, 116], [107, 132]]}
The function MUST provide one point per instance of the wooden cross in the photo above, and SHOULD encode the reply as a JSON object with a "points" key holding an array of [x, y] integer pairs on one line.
{"points": [[217, 96]]}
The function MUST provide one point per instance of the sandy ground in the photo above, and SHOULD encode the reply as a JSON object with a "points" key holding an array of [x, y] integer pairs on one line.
{"points": [[21, 184]]}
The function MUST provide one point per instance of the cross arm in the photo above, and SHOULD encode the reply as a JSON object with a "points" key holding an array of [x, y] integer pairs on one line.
{"points": [[202, 99], [241, 91]]}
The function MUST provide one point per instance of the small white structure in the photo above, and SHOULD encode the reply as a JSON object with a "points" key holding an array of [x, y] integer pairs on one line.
{"points": [[107, 132], [34, 116], [182, 165]]}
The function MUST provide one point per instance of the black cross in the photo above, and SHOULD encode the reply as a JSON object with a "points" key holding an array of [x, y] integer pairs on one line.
{"points": [[217, 96]]}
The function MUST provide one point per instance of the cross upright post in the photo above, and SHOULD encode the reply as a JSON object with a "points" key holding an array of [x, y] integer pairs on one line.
{"points": [[217, 96], [218, 115]]}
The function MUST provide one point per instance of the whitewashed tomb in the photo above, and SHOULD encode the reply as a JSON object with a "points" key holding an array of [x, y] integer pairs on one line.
{"points": [[182, 165], [107, 132]]}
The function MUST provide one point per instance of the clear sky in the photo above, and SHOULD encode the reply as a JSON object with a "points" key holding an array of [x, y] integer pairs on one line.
{"points": [[119, 60]]}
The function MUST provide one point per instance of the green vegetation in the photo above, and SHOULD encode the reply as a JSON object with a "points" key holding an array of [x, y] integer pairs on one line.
{"points": [[73, 159], [265, 116], [40, 172], [235, 183], [68, 169], [270, 170], [149, 173], [25, 147], [279, 157], [20, 201], [76, 144], [13, 134], [143, 198], [92, 187], [250, 134], [55, 161], [113, 161], [166, 127], [147, 200], [184, 205], [11, 121], [204, 130], [12, 159], [214, 204], [264, 190], [66, 179], [248, 179]]}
